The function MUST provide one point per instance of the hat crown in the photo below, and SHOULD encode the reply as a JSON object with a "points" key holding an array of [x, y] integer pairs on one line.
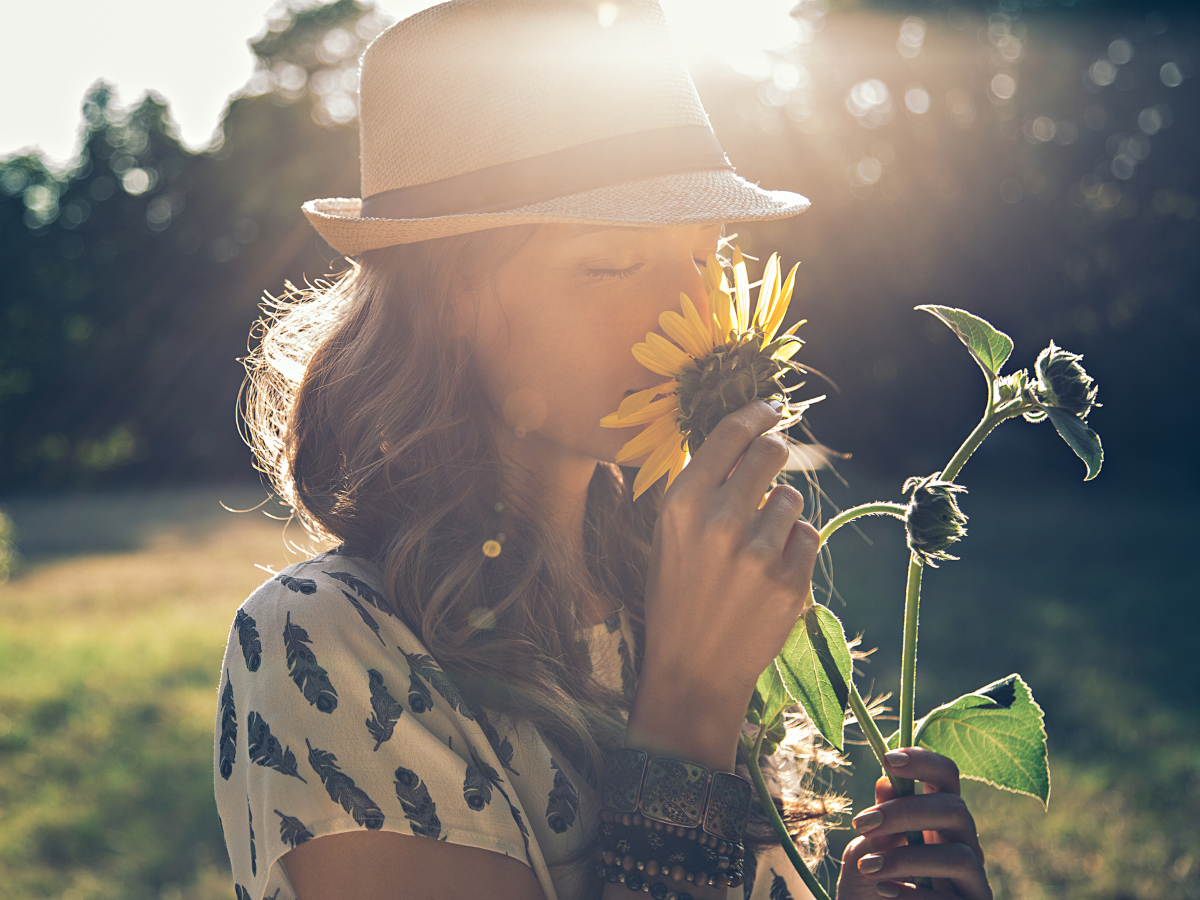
{"points": [[470, 84]]}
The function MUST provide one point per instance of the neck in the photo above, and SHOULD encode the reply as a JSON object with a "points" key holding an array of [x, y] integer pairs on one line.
{"points": [[558, 481]]}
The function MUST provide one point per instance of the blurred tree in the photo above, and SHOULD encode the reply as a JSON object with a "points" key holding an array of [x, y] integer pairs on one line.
{"points": [[132, 277]]}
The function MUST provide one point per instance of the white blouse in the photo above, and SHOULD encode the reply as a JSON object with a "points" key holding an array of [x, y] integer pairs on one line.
{"points": [[333, 717]]}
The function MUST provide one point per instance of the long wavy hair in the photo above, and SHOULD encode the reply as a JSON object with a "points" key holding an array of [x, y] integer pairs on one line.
{"points": [[364, 410]]}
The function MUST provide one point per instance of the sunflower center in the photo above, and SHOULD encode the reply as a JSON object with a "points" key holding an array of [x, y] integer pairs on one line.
{"points": [[727, 379]]}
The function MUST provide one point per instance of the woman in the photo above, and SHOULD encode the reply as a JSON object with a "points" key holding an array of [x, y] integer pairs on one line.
{"points": [[444, 705]]}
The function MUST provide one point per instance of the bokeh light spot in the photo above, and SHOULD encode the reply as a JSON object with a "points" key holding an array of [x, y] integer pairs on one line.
{"points": [[1171, 75], [1004, 86], [607, 14], [491, 549], [916, 98], [1120, 51], [1102, 72]]}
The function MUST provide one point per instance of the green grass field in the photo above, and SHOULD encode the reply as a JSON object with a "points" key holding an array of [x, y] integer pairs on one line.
{"points": [[113, 624]]}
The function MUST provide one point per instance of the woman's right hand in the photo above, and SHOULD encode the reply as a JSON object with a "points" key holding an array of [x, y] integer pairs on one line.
{"points": [[727, 582]]}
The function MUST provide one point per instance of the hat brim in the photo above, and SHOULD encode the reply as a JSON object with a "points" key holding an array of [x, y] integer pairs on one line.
{"points": [[684, 198]]}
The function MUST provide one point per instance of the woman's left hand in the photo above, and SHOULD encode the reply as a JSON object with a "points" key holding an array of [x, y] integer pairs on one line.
{"points": [[880, 863]]}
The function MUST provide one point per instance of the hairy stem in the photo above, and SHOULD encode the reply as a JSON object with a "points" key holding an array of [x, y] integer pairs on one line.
{"points": [[867, 509], [874, 736], [781, 832], [908, 675]]}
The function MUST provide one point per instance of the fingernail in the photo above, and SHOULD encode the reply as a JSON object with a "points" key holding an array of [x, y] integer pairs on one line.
{"points": [[864, 822], [896, 758], [873, 862], [775, 405], [886, 889]]}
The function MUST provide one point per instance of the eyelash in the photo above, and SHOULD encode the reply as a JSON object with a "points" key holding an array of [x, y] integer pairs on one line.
{"points": [[625, 273]]}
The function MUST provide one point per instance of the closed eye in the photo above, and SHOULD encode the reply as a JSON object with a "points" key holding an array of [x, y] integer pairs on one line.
{"points": [[613, 273]]}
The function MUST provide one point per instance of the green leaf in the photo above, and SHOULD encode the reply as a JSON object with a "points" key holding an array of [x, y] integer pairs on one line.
{"points": [[815, 668], [990, 347], [1080, 438], [772, 694], [994, 735]]}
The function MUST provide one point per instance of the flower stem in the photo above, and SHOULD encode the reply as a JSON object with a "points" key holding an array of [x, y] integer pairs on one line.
{"points": [[908, 674], [849, 515], [874, 736], [781, 832]]}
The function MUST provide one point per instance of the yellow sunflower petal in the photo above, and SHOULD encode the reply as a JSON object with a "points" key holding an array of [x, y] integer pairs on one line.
{"points": [[741, 290], [653, 435], [768, 292], [647, 413], [655, 466], [677, 463], [637, 401], [700, 325], [660, 355], [680, 330], [714, 275], [781, 305], [796, 327], [788, 350], [723, 314]]}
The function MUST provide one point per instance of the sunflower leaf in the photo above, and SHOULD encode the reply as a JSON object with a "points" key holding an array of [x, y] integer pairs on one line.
{"points": [[989, 347], [994, 735], [815, 668], [1080, 438]]}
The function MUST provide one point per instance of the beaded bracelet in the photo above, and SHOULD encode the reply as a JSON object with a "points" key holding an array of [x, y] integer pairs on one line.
{"points": [[675, 857]]}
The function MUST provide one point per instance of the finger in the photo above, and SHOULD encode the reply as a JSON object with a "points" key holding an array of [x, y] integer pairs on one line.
{"points": [[772, 527], [926, 766], [911, 892], [756, 470], [956, 863], [884, 790], [725, 445], [800, 554], [946, 814]]}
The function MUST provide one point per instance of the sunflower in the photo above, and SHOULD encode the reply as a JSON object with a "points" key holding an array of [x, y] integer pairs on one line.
{"points": [[716, 364]]}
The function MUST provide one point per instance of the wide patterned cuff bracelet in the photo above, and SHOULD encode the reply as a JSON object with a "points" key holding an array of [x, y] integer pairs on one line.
{"points": [[677, 792]]}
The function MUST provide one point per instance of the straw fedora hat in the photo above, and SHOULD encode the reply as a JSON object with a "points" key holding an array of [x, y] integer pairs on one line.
{"points": [[476, 114]]}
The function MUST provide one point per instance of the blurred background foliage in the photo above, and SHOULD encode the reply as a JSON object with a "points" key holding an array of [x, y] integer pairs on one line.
{"points": [[1035, 163]]}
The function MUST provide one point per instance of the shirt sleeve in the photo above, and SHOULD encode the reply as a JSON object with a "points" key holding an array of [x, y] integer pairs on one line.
{"points": [[332, 718]]}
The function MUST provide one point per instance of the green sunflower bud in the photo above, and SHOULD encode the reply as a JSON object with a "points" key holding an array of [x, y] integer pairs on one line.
{"points": [[933, 520], [1011, 386], [1062, 382]]}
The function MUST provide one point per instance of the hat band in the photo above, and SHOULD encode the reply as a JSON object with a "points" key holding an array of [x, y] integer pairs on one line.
{"points": [[572, 170]]}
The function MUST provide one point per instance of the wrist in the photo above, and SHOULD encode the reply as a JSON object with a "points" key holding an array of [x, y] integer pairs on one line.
{"points": [[672, 718]]}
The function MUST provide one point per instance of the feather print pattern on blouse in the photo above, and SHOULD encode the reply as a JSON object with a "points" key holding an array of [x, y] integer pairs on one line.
{"points": [[342, 789], [418, 806], [424, 666], [250, 823], [265, 750], [292, 831], [779, 888], [750, 873], [248, 638], [312, 680], [227, 745], [563, 803], [299, 585], [386, 710], [364, 615], [502, 745], [364, 590], [419, 698], [241, 893], [477, 783]]}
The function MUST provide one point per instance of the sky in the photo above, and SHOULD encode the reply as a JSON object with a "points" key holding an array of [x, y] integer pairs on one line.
{"points": [[197, 54]]}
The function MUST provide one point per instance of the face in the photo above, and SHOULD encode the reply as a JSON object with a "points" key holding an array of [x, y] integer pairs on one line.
{"points": [[553, 332]]}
